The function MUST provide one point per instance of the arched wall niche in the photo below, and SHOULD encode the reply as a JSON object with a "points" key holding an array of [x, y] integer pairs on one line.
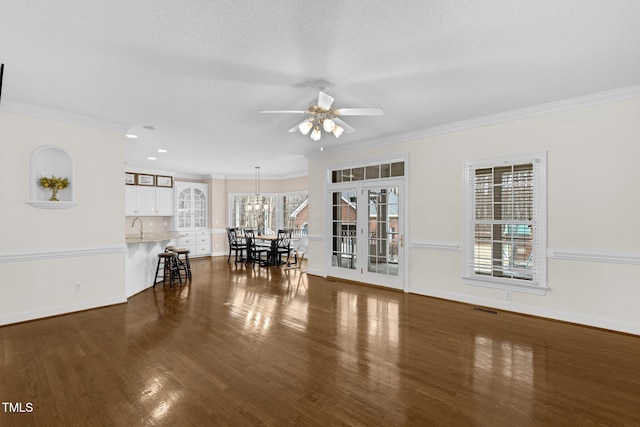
{"points": [[47, 161]]}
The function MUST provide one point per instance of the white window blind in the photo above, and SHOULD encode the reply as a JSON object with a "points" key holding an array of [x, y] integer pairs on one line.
{"points": [[504, 222]]}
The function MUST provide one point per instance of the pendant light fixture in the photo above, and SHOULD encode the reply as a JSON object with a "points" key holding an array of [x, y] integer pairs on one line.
{"points": [[260, 201]]}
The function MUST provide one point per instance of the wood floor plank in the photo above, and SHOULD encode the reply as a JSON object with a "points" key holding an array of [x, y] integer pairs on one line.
{"points": [[269, 347]]}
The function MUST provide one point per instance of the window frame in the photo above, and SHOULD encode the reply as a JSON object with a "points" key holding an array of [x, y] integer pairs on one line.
{"points": [[232, 196], [283, 223], [277, 210], [538, 284]]}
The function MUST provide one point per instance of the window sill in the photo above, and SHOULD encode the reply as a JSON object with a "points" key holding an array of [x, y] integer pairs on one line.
{"points": [[506, 285]]}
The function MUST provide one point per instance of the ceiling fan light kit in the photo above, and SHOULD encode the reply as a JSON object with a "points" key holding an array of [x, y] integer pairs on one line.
{"points": [[323, 116], [328, 125], [305, 126], [316, 134]]}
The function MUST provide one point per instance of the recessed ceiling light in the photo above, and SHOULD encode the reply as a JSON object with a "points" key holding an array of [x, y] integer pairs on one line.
{"points": [[132, 136], [161, 150], [152, 158]]}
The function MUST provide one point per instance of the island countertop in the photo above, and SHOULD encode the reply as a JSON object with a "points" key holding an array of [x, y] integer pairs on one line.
{"points": [[149, 237]]}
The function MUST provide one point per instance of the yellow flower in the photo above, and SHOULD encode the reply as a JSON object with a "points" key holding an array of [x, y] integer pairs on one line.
{"points": [[54, 182]]}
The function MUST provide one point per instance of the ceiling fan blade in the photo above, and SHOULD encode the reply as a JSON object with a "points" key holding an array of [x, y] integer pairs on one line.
{"points": [[325, 100], [360, 111], [285, 111], [343, 125]]}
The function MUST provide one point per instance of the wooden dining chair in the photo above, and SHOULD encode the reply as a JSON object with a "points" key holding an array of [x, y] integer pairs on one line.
{"points": [[254, 251], [236, 243], [284, 245]]}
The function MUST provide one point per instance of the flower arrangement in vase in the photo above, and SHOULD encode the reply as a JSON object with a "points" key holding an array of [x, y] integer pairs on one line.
{"points": [[54, 184]]}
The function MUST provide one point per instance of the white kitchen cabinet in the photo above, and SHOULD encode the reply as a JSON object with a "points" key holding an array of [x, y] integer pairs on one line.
{"points": [[164, 201], [190, 218], [198, 242], [203, 242], [191, 205], [148, 201]]}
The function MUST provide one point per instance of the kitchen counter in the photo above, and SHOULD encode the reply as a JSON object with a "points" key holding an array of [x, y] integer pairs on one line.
{"points": [[150, 237], [142, 259]]}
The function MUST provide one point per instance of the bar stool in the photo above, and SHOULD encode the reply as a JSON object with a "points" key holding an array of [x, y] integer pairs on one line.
{"points": [[183, 264], [169, 262]]}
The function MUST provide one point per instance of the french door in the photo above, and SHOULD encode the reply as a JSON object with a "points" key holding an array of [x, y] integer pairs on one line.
{"points": [[367, 232]]}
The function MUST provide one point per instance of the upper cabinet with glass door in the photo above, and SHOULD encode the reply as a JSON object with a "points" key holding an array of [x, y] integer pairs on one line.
{"points": [[191, 205]]}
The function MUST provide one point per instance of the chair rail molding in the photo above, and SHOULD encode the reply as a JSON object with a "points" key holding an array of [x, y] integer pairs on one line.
{"points": [[593, 256], [61, 253], [433, 245]]}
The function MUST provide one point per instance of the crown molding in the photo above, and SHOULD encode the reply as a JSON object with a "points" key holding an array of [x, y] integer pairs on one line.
{"points": [[150, 171], [590, 100], [62, 116], [265, 177]]}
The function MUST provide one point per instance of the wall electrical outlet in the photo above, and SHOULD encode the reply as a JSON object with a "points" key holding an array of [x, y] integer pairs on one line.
{"points": [[507, 295], [77, 286]]}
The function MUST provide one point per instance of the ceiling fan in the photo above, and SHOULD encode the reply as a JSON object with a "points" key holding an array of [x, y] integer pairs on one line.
{"points": [[323, 116]]}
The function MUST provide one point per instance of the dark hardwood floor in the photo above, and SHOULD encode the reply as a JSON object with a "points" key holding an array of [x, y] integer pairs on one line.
{"points": [[257, 346]]}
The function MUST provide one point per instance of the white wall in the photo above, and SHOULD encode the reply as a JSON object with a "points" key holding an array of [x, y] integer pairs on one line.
{"points": [[44, 252], [593, 203]]}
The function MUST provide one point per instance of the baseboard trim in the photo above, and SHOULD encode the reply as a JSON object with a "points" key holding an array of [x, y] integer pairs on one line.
{"points": [[315, 272], [59, 310], [563, 316]]}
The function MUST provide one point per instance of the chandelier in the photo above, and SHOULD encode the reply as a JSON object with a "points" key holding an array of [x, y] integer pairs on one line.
{"points": [[260, 202]]}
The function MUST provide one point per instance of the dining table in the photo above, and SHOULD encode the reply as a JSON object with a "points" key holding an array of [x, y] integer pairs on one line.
{"points": [[272, 258]]}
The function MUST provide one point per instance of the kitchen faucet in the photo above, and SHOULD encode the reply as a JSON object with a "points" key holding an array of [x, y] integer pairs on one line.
{"points": [[141, 226]]}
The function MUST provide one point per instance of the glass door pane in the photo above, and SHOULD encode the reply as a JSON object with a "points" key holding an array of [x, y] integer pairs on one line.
{"points": [[184, 208], [367, 244], [383, 228], [199, 208], [344, 206]]}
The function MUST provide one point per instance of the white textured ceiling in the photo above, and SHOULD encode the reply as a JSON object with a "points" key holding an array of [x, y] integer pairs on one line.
{"points": [[200, 71]]}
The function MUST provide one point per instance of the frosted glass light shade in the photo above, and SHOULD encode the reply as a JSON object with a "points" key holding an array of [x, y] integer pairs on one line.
{"points": [[337, 131], [328, 125], [315, 135], [305, 127]]}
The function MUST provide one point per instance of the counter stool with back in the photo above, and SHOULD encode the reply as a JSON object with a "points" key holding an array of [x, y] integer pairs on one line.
{"points": [[168, 261], [183, 263]]}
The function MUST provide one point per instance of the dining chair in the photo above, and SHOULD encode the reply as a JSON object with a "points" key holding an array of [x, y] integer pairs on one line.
{"points": [[300, 250], [283, 245], [254, 252], [236, 243]]}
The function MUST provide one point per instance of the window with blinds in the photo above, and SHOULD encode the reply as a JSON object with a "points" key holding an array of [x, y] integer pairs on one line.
{"points": [[504, 222]]}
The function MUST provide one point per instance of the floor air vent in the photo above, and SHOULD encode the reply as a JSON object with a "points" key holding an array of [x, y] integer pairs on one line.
{"points": [[485, 310]]}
